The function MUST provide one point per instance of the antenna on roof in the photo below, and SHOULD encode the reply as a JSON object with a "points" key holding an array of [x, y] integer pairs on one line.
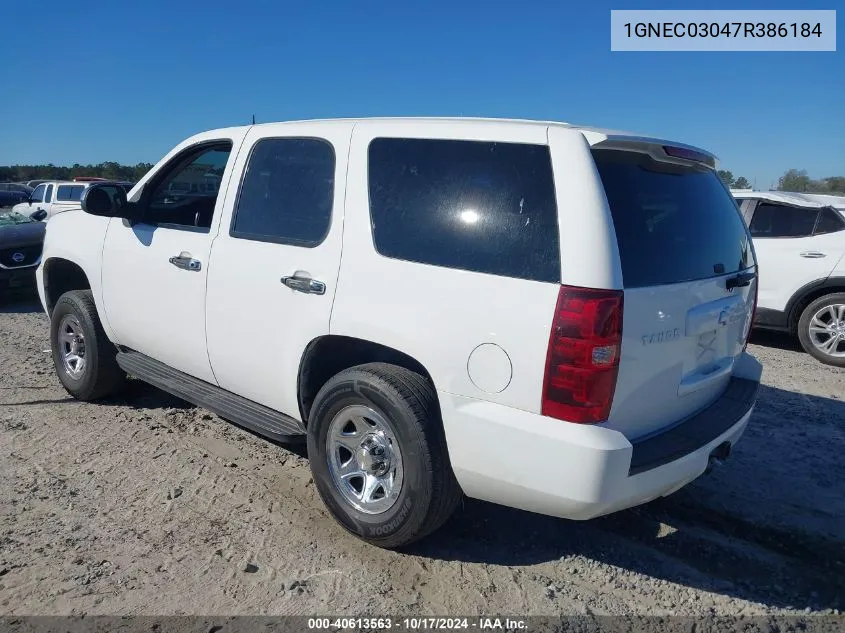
{"points": [[253, 119]]}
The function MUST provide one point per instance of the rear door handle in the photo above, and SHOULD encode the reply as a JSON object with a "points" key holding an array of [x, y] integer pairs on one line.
{"points": [[184, 261], [305, 284], [813, 254]]}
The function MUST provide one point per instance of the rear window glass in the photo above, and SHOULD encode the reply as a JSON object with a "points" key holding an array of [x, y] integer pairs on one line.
{"points": [[478, 206], [67, 193], [673, 223]]}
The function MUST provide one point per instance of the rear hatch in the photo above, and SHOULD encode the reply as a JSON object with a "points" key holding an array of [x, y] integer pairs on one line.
{"points": [[689, 285]]}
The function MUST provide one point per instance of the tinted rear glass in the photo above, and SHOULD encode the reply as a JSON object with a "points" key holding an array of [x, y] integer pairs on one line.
{"points": [[829, 222], [287, 192], [673, 223], [67, 193], [479, 206]]}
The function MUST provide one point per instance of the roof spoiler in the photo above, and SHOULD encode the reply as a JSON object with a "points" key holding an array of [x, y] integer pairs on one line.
{"points": [[659, 149]]}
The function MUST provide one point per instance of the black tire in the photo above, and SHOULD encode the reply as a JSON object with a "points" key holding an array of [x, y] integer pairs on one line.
{"points": [[100, 376], [429, 492], [807, 315]]}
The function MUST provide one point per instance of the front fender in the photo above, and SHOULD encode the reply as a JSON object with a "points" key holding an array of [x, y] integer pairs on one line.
{"points": [[77, 237]]}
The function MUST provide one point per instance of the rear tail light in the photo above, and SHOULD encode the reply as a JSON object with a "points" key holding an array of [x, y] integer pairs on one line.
{"points": [[582, 363]]}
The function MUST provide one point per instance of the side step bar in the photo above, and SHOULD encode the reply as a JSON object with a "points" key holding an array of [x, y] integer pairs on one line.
{"points": [[246, 413]]}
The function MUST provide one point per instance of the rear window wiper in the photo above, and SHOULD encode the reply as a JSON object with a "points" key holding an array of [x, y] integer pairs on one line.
{"points": [[740, 280]]}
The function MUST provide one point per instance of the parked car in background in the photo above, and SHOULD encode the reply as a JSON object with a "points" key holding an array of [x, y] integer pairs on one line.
{"points": [[21, 242], [32, 184], [54, 197], [540, 315], [12, 193], [15, 186], [800, 244]]}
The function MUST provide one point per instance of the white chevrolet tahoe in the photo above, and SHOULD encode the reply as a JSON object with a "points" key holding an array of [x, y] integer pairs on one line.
{"points": [[544, 316]]}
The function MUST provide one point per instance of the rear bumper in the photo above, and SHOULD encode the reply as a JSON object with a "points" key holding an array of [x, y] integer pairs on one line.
{"points": [[539, 464]]}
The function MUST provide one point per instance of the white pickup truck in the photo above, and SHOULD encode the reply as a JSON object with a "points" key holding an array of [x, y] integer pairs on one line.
{"points": [[53, 197], [536, 314]]}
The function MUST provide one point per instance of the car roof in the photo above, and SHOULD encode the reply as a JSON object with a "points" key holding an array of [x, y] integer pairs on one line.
{"points": [[65, 182], [809, 200], [594, 134]]}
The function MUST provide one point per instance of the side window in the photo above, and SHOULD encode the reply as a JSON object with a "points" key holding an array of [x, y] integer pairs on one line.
{"points": [[776, 220], [479, 206], [69, 193], [287, 192], [48, 197], [180, 196], [38, 194], [829, 222]]}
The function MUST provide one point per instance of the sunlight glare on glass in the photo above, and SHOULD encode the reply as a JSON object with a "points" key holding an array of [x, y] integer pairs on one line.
{"points": [[469, 216]]}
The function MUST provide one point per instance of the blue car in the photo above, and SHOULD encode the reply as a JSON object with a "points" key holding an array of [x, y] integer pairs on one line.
{"points": [[12, 193]]}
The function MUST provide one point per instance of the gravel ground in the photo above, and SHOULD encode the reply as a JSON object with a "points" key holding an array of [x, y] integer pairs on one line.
{"points": [[147, 505]]}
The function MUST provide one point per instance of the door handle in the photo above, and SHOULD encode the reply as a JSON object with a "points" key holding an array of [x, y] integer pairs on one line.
{"points": [[813, 254], [184, 261], [305, 284]]}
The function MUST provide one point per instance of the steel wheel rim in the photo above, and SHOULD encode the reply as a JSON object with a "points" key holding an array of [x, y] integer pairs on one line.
{"points": [[827, 330], [364, 459], [71, 339]]}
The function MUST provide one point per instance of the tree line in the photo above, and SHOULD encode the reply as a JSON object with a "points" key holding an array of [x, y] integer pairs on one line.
{"points": [[795, 180], [110, 170]]}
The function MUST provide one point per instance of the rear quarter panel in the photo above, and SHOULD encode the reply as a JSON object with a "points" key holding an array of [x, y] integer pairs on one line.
{"points": [[441, 315]]}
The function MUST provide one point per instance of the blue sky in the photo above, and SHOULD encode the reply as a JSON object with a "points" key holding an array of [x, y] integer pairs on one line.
{"points": [[127, 81]]}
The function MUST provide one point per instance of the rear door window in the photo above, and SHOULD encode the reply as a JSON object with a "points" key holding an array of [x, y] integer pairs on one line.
{"points": [[479, 206], [287, 192], [780, 220], [674, 223]]}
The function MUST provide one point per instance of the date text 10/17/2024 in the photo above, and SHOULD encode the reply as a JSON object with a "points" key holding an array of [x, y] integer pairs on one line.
{"points": [[416, 624]]}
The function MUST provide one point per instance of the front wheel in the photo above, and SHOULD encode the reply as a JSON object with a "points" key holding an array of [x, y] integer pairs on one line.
{"points": [[821, 329], [82, 353], [378, 454]]}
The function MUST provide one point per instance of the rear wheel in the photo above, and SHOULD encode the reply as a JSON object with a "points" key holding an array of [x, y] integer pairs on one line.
{"points": [[378, 454], [82, 353], [821, 329]]}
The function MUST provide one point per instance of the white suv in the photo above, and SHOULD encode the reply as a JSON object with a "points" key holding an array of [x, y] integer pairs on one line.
{"points": [[540, 315], [800, 244]]}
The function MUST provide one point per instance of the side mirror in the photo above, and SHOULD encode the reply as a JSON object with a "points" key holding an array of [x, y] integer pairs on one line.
{"points": [[38, 215], [108, 201]]}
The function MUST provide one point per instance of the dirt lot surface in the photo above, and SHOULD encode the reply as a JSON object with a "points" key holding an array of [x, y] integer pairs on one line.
{"points": [[147, 505]]}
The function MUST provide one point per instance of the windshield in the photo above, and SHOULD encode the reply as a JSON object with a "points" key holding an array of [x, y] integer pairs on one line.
{"points": [[12, 218]]}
